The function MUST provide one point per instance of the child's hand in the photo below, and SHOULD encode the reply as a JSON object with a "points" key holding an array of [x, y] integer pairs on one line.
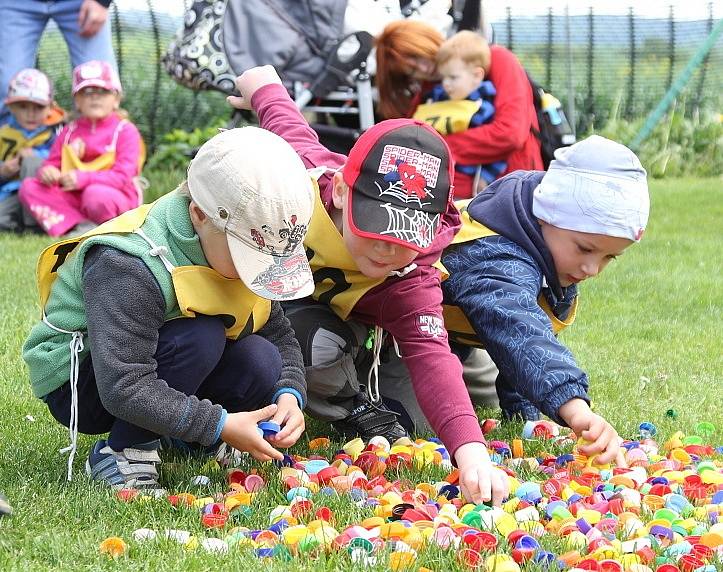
{"points": [[601, 436], [249, 82], [10, 168], [49, 175], [241, 432], [91, 17], [68, 181], [478, 478], [291, 419], [25, 153]]}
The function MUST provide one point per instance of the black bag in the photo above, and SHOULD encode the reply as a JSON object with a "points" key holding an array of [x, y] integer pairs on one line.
{"points": [[555, 130]]}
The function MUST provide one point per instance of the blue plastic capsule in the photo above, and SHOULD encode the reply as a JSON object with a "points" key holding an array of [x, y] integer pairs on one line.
{"points": [[647, 430]]}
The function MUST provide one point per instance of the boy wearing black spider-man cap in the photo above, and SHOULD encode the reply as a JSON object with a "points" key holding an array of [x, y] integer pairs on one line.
{"points": [[383, 218]]}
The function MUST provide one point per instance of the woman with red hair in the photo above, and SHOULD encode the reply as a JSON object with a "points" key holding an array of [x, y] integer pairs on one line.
{"points": [[406, 71]]}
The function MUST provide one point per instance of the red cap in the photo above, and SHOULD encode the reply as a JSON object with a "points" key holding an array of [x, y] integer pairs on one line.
{"points": [[400, 175]]}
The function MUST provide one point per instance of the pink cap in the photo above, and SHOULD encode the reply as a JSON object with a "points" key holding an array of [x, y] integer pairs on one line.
{"points": [[95, 73], [30, 85]]}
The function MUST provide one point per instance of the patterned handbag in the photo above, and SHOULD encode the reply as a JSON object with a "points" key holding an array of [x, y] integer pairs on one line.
{"points": [[196, 58], [222, 38]]}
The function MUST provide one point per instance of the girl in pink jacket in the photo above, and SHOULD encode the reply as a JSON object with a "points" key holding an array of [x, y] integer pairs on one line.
{"points": [[90, 174]]}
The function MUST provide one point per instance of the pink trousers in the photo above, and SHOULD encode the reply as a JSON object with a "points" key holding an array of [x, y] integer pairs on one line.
{"points": [[57, 211]]}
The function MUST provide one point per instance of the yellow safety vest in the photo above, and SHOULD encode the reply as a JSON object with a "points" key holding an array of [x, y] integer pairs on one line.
{"points": [[198, 289], [338, 281], [69, 160], [12, 141], [448, 116]]}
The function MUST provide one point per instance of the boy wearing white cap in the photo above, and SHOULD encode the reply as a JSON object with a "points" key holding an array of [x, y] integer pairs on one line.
{"points": [[526, 243], [165, 321], [25, 140]]}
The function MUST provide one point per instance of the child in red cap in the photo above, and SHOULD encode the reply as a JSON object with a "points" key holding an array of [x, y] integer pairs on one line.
{"points": [[381, 220], [90, 175], [25, 141]]}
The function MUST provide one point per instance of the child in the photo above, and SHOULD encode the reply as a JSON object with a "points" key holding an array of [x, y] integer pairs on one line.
{"points": [[25, 141], [461, 101], [89, 176], [165, 340], [381, 220], [406, 63], [525, 244]]}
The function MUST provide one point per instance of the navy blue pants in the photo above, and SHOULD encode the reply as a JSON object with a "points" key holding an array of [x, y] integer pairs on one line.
{"points": [[194, 357]]}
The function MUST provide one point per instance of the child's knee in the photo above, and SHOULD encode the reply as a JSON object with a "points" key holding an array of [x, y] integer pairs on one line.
{"points": [[194, 344], [323, 336], [28, 189], [262, 356], [96, 204]]}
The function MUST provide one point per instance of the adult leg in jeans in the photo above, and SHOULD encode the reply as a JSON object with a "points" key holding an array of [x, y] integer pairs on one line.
{"points": [[21, 26], [82, 49]]}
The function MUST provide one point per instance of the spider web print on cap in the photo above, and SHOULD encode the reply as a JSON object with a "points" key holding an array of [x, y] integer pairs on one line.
{"points": [[399, 173]]}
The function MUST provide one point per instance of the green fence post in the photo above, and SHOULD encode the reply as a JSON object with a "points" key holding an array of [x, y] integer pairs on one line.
{"points": [[680, 82]]}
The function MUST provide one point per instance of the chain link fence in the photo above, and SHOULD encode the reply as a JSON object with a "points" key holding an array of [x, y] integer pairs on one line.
{"points": [[600, 65]]}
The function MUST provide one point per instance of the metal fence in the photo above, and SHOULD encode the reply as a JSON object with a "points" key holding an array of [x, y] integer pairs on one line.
{"points": [[600, 65]]}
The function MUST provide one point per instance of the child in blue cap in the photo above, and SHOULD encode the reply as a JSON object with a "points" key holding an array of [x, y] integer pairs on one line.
{"points": [[526, 243]]}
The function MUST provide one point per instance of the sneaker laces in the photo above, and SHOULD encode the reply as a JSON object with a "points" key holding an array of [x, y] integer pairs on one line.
{"points": [[76, 346], [370, 419]]}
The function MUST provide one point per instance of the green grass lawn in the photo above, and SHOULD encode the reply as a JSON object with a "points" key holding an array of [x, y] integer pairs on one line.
{"points": [[648, 332]]}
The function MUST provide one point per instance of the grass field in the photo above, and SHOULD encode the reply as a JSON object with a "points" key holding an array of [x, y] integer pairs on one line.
{"points": [[648, 333]]}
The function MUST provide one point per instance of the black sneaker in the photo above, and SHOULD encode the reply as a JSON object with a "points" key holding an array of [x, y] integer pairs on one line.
{"points": [[369, 419]]}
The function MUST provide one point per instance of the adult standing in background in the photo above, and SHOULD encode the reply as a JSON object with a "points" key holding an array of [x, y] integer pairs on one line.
{"points": [[406, 72], [83, 23]]}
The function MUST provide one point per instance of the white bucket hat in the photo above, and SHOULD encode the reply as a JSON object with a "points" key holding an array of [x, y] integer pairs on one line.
{"points": [[596, 186], [254, 187]]}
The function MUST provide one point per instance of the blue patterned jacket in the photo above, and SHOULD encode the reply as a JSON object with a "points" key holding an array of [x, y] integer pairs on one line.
{"points": [[496, 282]]}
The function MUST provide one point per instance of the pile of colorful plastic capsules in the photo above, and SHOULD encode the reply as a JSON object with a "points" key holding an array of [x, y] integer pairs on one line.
{"points": [[664, 513]]}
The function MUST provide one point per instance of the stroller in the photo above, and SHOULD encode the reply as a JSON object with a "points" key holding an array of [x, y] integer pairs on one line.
{"points": [[324, 71]]}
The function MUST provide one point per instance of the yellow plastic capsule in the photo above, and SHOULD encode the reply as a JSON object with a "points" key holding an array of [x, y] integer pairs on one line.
{"points": [[401, 560]]}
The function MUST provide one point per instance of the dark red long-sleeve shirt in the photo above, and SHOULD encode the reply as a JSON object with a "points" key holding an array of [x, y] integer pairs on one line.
{"points": [[399, 305]]}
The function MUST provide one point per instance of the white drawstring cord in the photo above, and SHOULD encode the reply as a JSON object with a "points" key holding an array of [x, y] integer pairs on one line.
{"points": [[76, 346], [156, 250], [404, 271], [378, 338], [373, 386]]}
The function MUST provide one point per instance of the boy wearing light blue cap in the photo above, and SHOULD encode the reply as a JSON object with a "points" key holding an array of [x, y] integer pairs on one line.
{"points": [[525, 244]]}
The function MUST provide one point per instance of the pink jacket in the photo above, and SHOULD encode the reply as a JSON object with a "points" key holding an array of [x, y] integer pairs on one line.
{"points": [[402, 306], [98, 137]]}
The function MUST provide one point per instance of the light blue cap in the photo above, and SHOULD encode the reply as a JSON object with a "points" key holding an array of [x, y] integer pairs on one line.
{"points": [[596, 186]]}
